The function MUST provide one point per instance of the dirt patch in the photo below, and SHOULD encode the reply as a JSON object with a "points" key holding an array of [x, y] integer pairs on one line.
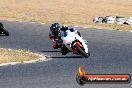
{"points": [[76, 12], [9, 55]]}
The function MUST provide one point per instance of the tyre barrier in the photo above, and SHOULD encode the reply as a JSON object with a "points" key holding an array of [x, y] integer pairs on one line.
{"points": [[128, 21], [112, 20], [120, 20]]}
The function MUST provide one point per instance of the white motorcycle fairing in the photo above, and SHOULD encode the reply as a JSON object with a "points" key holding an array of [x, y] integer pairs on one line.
{"points": [[68, 37]]}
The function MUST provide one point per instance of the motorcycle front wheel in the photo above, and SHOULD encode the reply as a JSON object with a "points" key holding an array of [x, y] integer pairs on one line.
{"points": [[82, 52]]}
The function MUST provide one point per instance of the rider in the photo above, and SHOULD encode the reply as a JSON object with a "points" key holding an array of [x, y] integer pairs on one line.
{"points": [[55, 36]]}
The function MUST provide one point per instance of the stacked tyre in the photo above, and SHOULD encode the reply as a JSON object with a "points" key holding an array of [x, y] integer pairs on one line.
{"points": [[98, 20], [120, 20], [129, 21], [109, 19]]}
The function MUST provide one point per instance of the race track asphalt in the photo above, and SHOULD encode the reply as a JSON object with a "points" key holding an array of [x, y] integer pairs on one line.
{"points": [[111, 52]]}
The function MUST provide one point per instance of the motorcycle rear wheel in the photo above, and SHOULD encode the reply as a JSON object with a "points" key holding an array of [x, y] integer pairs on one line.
{"points": [[6, 33]]}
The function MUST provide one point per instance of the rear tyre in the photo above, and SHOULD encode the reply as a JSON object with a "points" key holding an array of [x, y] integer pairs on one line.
{"points": [[64, 50], [6, 33], [82, 52]]}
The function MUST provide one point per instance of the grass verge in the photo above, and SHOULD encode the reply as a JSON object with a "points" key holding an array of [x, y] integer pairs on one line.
{"points": [[75, 12], [10, 55]]}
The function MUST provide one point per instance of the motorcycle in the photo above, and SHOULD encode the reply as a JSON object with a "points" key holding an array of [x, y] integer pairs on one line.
{"points": [[75, 43], [3, 30]]}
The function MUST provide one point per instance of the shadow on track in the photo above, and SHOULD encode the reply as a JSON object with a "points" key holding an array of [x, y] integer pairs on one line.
{"points": [[2, 35], [49, 51], [65, 57]]}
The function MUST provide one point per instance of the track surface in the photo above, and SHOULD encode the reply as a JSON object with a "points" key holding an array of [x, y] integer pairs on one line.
{"points": [[111, 52]]}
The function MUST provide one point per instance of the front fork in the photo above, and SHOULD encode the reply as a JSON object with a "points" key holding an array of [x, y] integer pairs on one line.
{"points": [[74, 48]]}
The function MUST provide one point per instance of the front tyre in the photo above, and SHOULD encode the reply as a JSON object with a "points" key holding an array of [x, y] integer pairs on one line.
{"points": [[81, 51]]}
